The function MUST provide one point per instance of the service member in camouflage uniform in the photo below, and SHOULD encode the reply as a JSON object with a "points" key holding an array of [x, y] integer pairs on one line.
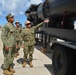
{"points": [[9, 44], [18, 37], [29, 40]]}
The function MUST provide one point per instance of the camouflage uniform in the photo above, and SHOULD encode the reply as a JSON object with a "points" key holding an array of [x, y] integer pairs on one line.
{"points": [[29, 41], [18, 38], [8, 38]]}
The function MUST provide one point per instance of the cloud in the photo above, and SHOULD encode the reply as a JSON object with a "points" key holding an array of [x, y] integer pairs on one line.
{"points": [[36, 1], [21, 12], [33, 2], [0, 13], [16, 6]]}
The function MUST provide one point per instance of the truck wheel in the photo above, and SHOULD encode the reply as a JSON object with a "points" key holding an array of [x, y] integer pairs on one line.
{"points": [[62, 61]]}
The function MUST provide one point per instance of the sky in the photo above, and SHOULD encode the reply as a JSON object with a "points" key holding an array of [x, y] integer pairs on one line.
{"points": [[17, 8]]}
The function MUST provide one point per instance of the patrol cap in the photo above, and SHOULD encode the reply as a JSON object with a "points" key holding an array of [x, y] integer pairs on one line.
{"points": [[9, 15], [16, 22], [27, 22]]}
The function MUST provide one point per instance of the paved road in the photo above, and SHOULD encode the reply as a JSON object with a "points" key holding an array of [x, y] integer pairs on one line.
{"points": [[42, 63]]}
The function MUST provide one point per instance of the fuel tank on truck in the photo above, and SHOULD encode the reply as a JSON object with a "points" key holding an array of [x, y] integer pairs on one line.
{"points": [[55, 8]]}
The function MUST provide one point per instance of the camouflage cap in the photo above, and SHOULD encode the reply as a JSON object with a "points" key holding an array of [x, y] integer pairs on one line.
{"points": [[16, 22], [9, 15]]}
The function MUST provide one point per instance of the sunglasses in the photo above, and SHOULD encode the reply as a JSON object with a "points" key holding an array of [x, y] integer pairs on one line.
{"points": [[28, 23], [17, 23]]}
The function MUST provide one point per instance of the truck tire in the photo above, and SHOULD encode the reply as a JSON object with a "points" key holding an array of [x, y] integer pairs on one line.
{"points": [[62, 61]]}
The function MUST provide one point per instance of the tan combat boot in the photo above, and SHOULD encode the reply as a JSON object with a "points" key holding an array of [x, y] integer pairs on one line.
{"points": [[31, 65], [12, 70], [7, 72], [24, 64]]}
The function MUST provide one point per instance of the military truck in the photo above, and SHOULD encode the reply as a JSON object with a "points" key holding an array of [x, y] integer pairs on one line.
{"points": [[62, 16]]}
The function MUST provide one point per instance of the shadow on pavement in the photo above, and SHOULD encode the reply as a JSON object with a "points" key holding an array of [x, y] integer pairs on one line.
{"points": [[48, 53], [20, 60], [49, 68]]}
